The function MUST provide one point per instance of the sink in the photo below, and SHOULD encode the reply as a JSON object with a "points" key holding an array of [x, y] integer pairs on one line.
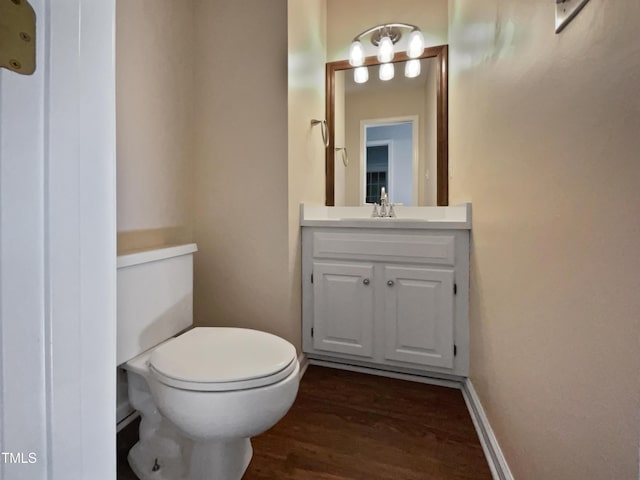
{"points": [[385, 219], [458, 216]]}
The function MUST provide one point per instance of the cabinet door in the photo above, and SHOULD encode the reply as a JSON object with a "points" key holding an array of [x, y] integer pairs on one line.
{"points": [[419, 315], [343, 308]]}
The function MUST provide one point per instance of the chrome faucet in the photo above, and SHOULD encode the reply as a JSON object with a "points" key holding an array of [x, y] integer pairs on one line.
{"points": [[386, 208], [384, 203]]}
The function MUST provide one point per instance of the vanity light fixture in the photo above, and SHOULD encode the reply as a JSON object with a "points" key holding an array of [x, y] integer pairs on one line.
{"points": [[356, 54], [416, 44], [385, 37], [412, 68], [386, 71], [361, 74], [385, 50]]}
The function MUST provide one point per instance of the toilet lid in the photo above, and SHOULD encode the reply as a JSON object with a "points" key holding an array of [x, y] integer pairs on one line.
{"points": [[220, 358]]}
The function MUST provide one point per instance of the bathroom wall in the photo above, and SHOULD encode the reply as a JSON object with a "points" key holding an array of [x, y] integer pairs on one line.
{"points": [[204, 152], [307, 45], [347, 18], [241, 222], [544, 140], [154, 105]]}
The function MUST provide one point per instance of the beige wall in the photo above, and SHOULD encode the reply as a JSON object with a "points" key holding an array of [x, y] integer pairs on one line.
{"points": [[544, 139], [241, 168], [347, 18], [154, 99], [204, 152], [307, 54]]}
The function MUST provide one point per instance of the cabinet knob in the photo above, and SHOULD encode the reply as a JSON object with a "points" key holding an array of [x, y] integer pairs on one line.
{"points": [[365, 281], [390, 283]]}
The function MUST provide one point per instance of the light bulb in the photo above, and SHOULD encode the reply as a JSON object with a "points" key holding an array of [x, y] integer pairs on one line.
{"points": [[361, 75], [412, 68], [356, 54], [386, 71], [385, 50], [416, 44]]}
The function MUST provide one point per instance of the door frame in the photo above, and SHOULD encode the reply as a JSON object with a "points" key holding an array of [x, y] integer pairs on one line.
{"points": [[58, 248], [363, 166], [415, 150]]}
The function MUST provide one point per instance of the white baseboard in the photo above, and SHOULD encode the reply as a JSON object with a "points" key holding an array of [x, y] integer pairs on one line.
{"points": [[495, 458], [123, 410], [387, 373], [303, 360], [123, 423]]}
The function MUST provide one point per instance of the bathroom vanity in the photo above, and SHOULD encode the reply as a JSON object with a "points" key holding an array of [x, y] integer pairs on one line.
{"points": [[387, 293]]}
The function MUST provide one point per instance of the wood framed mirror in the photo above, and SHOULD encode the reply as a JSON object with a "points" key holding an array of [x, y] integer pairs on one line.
{"points": [[357, 178]]}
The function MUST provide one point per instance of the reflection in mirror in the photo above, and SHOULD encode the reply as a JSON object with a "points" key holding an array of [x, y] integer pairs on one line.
{"points": [[394, 132], [388, 162]]}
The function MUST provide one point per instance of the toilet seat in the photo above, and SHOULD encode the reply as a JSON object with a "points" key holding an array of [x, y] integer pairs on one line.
{"points": [[222, 359]]}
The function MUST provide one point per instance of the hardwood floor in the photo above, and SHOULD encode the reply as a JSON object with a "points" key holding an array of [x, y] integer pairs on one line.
{"points": [[347, 425], [351, 426]]}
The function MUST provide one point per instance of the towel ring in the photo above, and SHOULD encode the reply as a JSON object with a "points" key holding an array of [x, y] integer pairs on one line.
{"points": [[323, 129], [345, 157]]}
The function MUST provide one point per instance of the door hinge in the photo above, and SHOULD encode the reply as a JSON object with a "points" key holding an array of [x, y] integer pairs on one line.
{"points": [[312, 277], [18, 37], [455, 349], [455, 288], [311, 332]]}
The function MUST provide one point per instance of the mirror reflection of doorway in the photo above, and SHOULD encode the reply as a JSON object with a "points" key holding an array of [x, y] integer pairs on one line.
{"points": [[377, 171], [389, 162]]}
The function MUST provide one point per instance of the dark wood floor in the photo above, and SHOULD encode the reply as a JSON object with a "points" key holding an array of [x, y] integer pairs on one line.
{"points": [[350, 426]]}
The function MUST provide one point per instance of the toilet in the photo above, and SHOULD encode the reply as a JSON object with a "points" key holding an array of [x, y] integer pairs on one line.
{"points": [[202, 392]]}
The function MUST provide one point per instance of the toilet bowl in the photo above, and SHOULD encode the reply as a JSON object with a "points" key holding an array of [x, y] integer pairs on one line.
{"points": [[202, 395]]}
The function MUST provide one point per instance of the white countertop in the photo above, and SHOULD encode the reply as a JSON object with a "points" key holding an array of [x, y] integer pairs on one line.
{"points": [[429, 218]]}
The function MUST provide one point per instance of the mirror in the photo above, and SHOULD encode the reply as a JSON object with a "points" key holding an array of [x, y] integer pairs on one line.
{"points": [[388, 133]]}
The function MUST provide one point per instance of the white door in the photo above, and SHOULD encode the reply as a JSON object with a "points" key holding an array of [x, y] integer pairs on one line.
{"points": [[419, 315], [57, 249], [343, 308]]}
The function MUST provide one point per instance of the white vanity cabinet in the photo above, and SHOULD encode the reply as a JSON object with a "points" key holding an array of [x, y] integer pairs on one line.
{"points": [[343, 308], [418, 315], [388, 298]]}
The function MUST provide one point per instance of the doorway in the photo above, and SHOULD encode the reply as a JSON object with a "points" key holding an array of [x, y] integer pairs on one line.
{"points": [[377, 170], [390, 153]]}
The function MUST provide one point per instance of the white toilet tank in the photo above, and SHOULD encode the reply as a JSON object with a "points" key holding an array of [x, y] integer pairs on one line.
{"points": [[155, 297]]}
